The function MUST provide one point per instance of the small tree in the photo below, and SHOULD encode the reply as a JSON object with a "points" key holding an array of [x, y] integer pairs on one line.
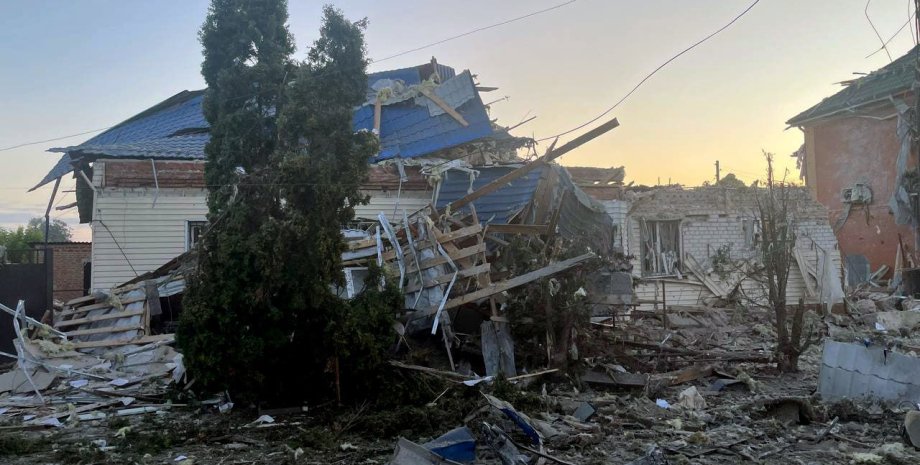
{"points": [[775, 210]]}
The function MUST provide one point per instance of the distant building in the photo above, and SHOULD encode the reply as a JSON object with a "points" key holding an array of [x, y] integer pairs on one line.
{"points": [[70, 264]]}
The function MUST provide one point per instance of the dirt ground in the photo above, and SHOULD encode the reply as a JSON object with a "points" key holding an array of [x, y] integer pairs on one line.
{"points": [[761, 417]]}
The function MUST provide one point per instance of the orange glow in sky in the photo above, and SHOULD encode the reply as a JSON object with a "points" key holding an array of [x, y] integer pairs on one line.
{"points": [[74, 66]]}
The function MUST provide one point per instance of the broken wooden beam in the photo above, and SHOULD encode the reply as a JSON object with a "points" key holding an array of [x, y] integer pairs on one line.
{"points": [[444, 106], [550, 155], [497, 288]]}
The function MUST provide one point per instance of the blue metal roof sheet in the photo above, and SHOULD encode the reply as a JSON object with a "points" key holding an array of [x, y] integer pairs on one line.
{"points": [[177, 129], [498, 206], [408, 130]]}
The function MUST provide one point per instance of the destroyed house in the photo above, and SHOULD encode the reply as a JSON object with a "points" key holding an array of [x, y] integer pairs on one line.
{"points": [[140, 184], [857, 162], [689, 247]]}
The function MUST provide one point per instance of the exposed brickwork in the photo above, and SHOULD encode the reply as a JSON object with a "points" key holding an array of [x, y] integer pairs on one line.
{"points": [[860, 150], [69, 258], [140, 174]]}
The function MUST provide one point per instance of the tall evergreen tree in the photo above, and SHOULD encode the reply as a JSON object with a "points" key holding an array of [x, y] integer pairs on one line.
{"points": [[284, 165]]}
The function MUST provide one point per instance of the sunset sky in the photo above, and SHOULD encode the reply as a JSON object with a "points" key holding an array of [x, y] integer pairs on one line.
{"points": [[68, 67]]}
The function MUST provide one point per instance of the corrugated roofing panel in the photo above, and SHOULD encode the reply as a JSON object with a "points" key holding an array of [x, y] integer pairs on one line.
{"points": [[895, 78], [176, 128], [853, 371], [498, 206], [408, 130], [62, 167]]}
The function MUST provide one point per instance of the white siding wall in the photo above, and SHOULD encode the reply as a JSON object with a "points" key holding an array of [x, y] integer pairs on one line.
{"points": [[387, 202], [617, 210], [132, 236]]}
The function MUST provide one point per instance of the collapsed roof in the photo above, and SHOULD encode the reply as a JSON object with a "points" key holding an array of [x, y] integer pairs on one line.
{"points": [[424, 109]]}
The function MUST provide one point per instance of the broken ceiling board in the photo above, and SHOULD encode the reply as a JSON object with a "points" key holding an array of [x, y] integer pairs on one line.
{"points": [[854, 371], [16, 381]]}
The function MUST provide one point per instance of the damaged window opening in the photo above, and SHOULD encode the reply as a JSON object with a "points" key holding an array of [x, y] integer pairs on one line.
{"points": [[660, 247], [752, 233], [193, 232]]}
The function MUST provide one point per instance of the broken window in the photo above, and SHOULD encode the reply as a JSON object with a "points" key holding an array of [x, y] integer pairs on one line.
{"points": [[751, 230], [660, 247], [193, 232]]}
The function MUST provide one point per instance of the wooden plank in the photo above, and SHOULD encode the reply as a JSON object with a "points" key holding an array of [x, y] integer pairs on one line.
{"points": [[442, 239], [697, 271], [107, 329], [137, 341], [445, 278], [542, 161], [456, 234], [444, 106], [362, 244], [99, 306], [686, 375], [80, 300], [462, 253], [497, 288], [803, 267], [535, 229], [377, 111], [93, 319]]}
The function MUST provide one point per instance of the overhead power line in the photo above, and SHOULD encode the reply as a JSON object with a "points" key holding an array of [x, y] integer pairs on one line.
{"points": [[26, 144], [880, 39], [649, 75], [897, 33], [448, 39], [474, 31]]}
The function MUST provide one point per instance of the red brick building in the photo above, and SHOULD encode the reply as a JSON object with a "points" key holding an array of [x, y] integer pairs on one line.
{"points": [[856, 157], [68, 261]]}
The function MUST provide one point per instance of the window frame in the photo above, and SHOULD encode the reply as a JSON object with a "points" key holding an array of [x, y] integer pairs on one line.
{"points": [[644, 230], [189, 225]]}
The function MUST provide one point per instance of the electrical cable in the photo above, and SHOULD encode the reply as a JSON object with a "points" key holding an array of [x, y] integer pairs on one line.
{"points": [[648, 76], [405, 52], [884, 45]]}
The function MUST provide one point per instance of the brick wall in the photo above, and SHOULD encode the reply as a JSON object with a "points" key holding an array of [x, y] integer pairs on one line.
{"points": [[860, 150], [69, 258], [139, 173]]}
